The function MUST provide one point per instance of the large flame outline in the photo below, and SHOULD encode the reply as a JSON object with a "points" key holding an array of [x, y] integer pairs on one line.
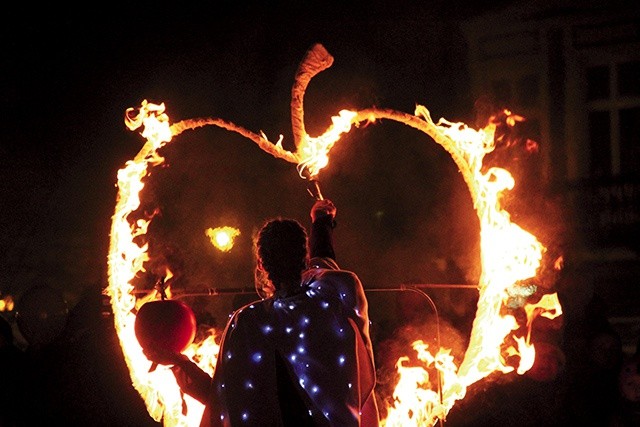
{"points": [[466, 151]]}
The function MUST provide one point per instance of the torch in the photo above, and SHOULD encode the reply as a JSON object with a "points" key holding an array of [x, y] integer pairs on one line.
{"points": [[316, 60], [313, 187]]}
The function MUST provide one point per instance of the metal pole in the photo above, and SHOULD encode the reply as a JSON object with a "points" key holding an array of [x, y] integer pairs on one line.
{"points": [[250, 290]]}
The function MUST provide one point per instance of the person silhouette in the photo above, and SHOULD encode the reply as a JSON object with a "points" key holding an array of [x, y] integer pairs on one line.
{"points": [[300, 356]]}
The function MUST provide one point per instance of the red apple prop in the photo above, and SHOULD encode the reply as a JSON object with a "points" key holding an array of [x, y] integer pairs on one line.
{"points": [[165, 325]]}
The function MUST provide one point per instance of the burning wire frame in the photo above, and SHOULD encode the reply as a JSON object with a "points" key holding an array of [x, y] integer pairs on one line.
{"points": [[509, 253]]}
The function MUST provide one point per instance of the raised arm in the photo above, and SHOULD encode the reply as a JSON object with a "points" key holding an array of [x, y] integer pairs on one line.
{"points": [[323, 215]]}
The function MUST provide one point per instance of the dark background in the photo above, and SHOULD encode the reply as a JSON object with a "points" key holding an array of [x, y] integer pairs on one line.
{"points": [[68, 76]]}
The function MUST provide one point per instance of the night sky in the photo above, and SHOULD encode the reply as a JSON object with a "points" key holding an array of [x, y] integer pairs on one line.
{"points": [[69, 76]]}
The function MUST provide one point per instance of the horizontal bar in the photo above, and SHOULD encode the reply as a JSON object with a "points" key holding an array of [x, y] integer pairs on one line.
{"points": [[243, 291]]}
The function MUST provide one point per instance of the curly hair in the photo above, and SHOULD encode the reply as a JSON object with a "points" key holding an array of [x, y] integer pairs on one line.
{"points": [[281, 247]]}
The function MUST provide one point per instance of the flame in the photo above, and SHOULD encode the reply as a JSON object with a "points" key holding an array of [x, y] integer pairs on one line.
{"points": [[126, 259], [416, 397], [222, 237], [312, 153], [426, 391], [509, 256], [156, 385]]}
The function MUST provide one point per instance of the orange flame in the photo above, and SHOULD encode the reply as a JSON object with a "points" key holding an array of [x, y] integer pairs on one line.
{"points": [[157, 386], [312, 153], [417, 399], [509, 256]]}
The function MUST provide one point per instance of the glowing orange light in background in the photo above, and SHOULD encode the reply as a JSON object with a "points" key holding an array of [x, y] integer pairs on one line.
{"points": [[509, 257], [222, 237], [7, 303]]}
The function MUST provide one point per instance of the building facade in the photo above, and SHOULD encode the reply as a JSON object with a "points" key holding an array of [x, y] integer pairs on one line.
{"points": [[572, 68]]}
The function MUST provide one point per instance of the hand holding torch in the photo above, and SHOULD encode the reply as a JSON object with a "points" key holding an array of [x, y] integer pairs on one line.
{"points": [[313, 187]]}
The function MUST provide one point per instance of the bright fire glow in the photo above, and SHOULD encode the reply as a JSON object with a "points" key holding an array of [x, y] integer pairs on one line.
{"points": [[312, 153], [426, 392], [6, 303], [222, 237], [126, 259]]}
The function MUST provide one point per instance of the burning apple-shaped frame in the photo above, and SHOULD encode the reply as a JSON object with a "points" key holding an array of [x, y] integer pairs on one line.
{"points": [[515, 254]]}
